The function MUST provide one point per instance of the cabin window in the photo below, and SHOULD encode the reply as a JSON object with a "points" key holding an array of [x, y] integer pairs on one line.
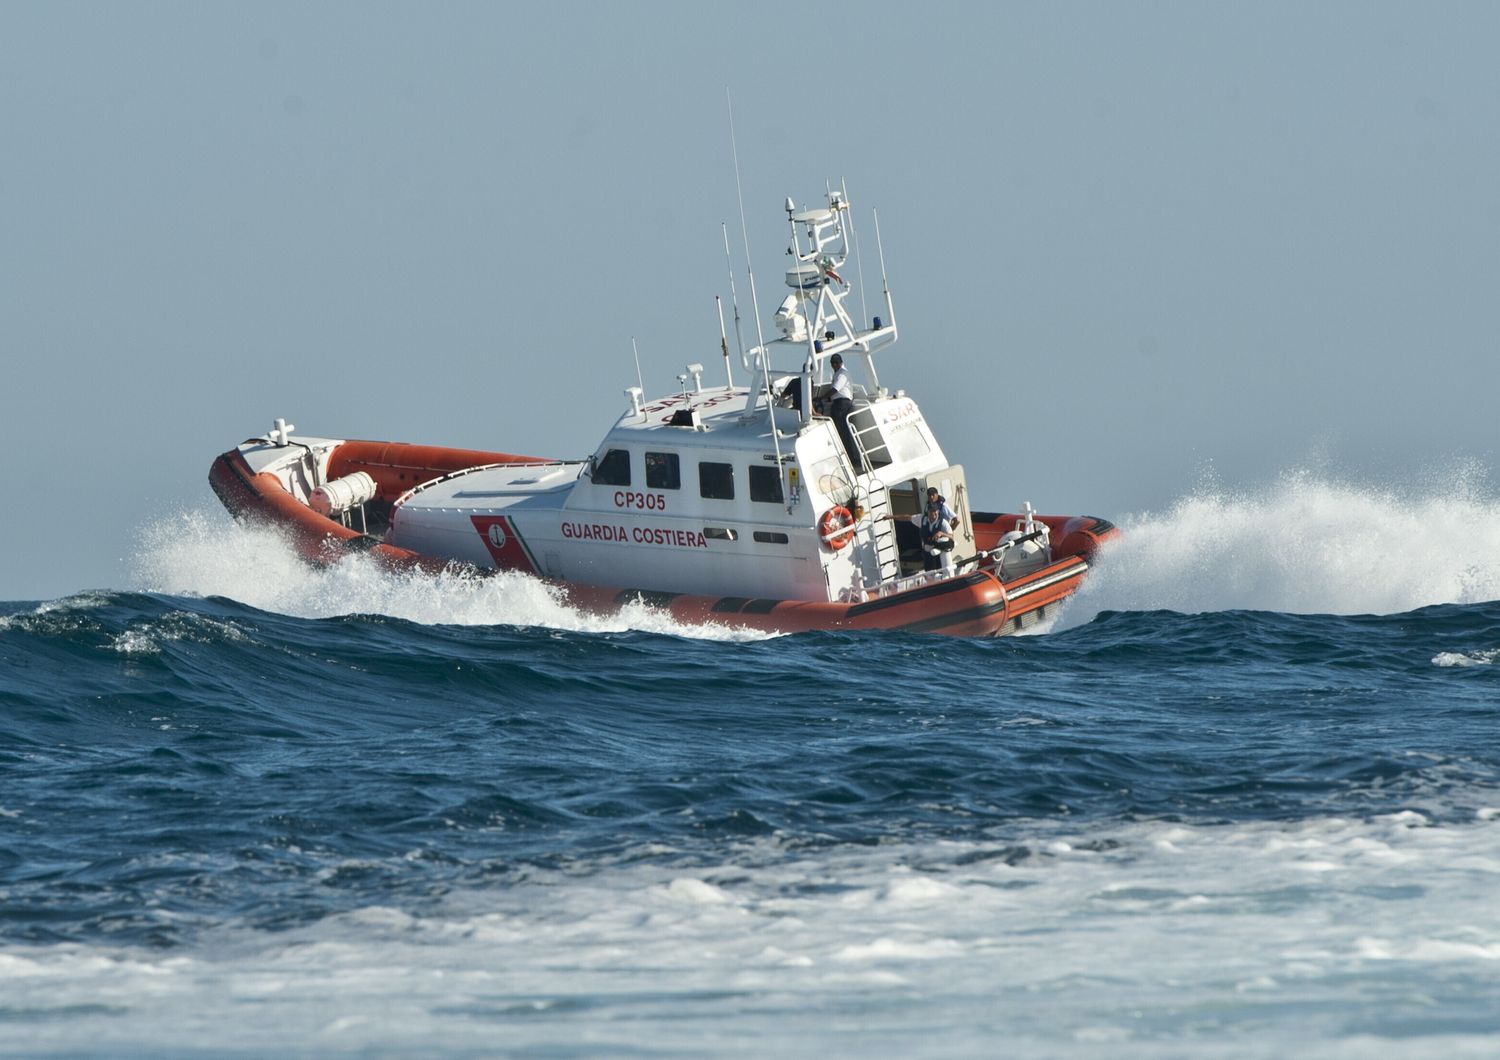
{"points": [[716, 480], [906, 442], [765, 484], [771, 537], [613, 469], [662, 472], [720, 533]]}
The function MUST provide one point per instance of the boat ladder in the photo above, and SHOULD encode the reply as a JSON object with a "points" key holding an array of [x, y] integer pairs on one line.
{"points": [[867, 438], [882, 530]]}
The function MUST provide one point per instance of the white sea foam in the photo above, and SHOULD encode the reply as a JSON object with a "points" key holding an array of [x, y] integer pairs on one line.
{"points": [[1474, 658], [135, 642], [1250, 939], [204, 553], [68, 613], [1305, 544], [148, 638]]}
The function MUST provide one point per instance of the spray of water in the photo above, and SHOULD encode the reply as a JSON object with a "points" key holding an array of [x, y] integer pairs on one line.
{"points": [[204, 553], [1305, 544]]}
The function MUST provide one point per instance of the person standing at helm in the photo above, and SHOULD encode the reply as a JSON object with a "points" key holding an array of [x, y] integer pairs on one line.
{"points": [[842, 406]]}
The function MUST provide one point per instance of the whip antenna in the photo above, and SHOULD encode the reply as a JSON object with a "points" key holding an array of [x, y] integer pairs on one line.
{"points": [[859, 259], [890, 310], [739, 192], [734, 298], [765, 354], [724, 342]]}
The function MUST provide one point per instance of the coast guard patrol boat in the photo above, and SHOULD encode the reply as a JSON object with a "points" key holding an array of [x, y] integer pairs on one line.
{"points": [[742, 505]]}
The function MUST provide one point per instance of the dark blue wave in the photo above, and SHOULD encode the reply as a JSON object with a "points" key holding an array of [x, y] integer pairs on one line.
{"points": [[167, 762]]}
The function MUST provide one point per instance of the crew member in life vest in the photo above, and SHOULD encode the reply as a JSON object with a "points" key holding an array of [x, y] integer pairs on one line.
{"points": [[841, 407], [937, 535], [936, 523], [933, 497]]}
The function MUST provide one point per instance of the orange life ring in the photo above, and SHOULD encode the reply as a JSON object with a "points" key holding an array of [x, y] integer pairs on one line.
{"points": [[836, 528]]}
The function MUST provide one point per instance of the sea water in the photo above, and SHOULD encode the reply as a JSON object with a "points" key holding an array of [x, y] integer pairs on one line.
{"points": [[1242, 799]]}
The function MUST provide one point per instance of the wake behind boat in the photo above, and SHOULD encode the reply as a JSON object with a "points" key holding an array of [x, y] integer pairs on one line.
{"points": [[805, 500]]}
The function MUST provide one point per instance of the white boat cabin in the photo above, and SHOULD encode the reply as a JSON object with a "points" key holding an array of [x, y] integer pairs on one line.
{"points": [[726, 490]]}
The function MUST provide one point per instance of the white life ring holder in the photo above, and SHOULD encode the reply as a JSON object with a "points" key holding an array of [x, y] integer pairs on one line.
{"points": [[836, 527]]}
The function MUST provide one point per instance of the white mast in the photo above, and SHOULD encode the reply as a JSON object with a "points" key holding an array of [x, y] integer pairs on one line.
{"points": [[814, 314]]}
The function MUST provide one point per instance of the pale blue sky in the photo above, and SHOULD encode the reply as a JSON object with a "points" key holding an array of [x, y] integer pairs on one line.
{"points": [[1128, 242]]}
